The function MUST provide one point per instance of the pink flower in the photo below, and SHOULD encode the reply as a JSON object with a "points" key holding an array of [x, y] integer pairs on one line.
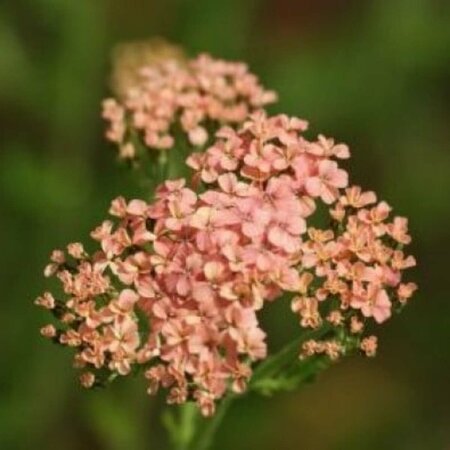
{"points": [[285, 230], [376, 216], [327, 181], [250, 341], [209, 221], [307, 309], [369, 345], [355, 198], [326, 148], [122, 335], [373, 303], [398, 230], [405, 291], [87, 379], [254, 217], [47, 301], [184, 271], [215, 274], [125, 302], [198, 136], [49, 331]]}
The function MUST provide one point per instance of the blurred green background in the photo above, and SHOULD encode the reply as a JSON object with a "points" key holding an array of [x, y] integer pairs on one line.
{"points": [[374, 74]]}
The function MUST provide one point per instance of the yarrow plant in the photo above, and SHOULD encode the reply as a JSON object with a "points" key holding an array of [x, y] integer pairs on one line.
{"points": [[175, 288], [181, 98]]}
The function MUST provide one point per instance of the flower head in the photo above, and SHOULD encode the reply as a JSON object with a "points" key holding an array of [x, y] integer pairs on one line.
{"points": [[176, 284], [171, 96]]}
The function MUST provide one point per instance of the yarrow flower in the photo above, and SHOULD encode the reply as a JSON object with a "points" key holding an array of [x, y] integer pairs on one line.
{"points": [[177, 283], [175, 100]]}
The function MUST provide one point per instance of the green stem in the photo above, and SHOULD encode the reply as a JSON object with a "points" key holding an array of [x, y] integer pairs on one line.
{"points": [[205, 438], [189, 416], [191, 432], [288, 354], [181, 429]]}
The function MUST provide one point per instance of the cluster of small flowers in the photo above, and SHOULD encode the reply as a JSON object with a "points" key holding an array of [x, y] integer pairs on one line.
{"points": [[168, 315], [357, 266], [178, 282], [198, 266], [194, 97], [95, 319]]}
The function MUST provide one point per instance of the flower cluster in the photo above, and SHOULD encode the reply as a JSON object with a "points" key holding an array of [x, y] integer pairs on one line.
{"points": [[159, 308], [177, 283], [198, 267], [352, 271], [173, 96], [348, 273]]}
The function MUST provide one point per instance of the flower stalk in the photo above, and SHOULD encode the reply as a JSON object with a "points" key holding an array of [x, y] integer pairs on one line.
{"points": [[197, 433]]}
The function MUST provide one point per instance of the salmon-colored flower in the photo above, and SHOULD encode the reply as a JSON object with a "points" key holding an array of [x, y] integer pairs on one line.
{"points": [[49, 331], [87, 379], [327, 181], [369, 346]]}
